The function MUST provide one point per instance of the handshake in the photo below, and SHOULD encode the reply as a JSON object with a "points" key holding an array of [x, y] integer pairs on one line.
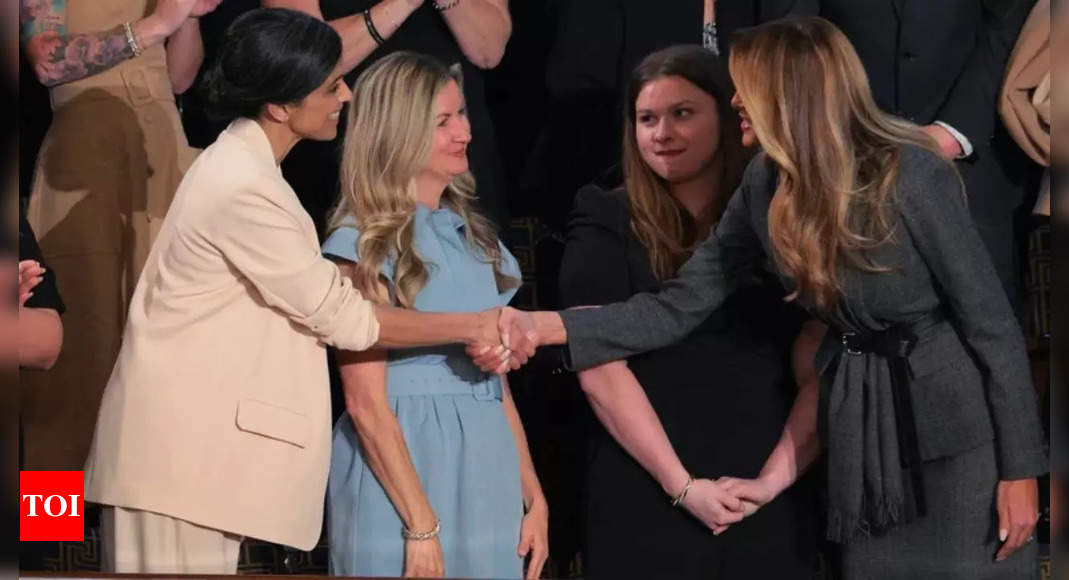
{"points": [[508, 338]]}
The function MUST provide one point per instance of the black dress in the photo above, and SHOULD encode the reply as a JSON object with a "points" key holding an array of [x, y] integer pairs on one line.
{"points": [[722, 394], [45, 294], [312, 166]]}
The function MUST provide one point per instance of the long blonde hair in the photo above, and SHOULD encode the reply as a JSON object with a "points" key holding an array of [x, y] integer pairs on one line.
{"points": [[660, 223], [809, 101], [387, 142]]}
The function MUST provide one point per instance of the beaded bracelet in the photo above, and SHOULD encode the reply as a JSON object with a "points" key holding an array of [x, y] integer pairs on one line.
{"points": [[446, 6], [131, 39]]}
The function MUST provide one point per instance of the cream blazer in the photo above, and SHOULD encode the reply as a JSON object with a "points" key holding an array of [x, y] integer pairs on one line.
{"points": [[1025, 102], [218, 408]]}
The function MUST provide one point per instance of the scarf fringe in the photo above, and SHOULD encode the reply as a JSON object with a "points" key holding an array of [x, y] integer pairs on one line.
{"points": [[844, 526]]}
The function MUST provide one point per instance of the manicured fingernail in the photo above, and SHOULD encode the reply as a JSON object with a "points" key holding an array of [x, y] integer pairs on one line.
{"points": [[1002, 535]]}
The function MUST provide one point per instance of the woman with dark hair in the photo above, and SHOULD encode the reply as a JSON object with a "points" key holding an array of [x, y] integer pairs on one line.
{"points": [[927, 412], [216, 421], [683, 156]]}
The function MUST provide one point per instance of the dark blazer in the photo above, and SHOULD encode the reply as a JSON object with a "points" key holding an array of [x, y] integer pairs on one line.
{"points": [[971, 377], [944, 61], [931, 61]]}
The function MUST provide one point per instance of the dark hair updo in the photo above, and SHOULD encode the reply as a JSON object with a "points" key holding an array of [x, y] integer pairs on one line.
{"points": [[269, 55]]}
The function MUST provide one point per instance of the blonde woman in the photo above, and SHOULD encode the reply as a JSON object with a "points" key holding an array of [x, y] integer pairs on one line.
{"points": [[430, 473], [927, 413]]}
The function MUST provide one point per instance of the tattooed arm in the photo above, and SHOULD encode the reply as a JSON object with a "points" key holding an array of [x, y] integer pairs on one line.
{"points": [[59, 57]]}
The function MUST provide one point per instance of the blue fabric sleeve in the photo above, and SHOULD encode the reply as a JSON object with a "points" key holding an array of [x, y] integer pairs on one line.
{"points": [[341, 244]]}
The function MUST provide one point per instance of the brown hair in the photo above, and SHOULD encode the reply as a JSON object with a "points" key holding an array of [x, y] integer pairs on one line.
{"points": [[808, 98], [662, 225]]}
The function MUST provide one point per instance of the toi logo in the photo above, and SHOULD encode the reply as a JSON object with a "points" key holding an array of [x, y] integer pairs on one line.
{"points": [[51, 506]]}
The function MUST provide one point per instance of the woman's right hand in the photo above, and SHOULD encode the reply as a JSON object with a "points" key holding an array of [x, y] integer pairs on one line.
{"points": [[489, 351], [424, 559], [715, 507], [484, 345]]}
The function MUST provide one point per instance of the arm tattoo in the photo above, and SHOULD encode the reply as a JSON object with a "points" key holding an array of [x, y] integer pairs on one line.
{"points": [[59, 57], [37, 16], [62, 58]]}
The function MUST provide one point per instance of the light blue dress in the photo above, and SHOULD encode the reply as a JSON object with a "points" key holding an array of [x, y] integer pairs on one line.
{"points": [[454, 424]]}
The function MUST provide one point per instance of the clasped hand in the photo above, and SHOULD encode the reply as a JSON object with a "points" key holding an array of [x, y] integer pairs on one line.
{"points": [[508, 340], [720, 503]]}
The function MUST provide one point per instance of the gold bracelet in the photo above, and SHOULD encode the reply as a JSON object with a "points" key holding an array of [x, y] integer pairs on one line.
{"points": [[421, 536], [683, 494]]}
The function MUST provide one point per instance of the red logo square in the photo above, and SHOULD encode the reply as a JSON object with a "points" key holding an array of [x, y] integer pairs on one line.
{"points": [[52, 506]]}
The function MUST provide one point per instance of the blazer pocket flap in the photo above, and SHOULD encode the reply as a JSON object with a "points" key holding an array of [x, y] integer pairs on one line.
{"points": [[936, 352], [273, 422]]}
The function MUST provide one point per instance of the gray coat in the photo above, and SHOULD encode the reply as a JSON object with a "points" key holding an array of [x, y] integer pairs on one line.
{"points": [[972, 381]]}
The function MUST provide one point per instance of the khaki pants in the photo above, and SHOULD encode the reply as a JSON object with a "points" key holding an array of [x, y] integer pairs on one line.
{"points": [[140, 542]]}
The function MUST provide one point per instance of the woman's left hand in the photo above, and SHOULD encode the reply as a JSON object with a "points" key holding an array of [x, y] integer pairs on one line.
{"points": [[534, 538], [1018, 512], [755, 492]]}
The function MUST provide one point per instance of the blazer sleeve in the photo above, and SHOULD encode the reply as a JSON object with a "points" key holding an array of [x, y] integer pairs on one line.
{"points": [[267, 244], [935, 213], [649, 321], [594, 269], [971, 107]]}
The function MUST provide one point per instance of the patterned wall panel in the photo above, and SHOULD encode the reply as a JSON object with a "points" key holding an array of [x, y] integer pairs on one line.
{"points": [[1038, 282]]}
